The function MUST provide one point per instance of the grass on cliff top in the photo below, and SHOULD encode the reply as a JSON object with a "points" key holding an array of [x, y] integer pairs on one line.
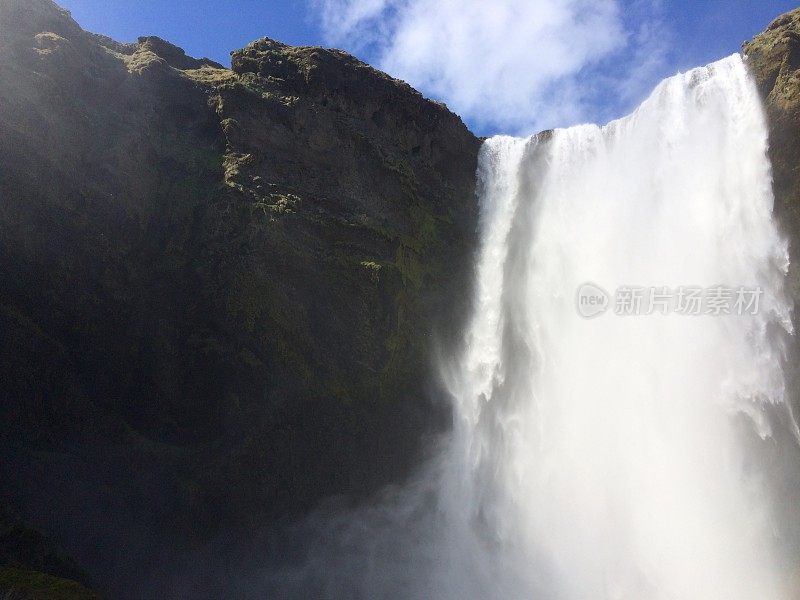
{"points": [[211, 75]]}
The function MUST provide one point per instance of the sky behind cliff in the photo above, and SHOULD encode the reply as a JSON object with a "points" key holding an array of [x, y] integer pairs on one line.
{"points": [[511, 66]]}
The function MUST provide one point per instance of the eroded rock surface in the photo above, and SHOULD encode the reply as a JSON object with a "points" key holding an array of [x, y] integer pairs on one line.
{"points": [[774, 59]]}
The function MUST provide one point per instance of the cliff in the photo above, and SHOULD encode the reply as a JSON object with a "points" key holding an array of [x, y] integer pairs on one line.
{"points": [[221, 289], [32, 568], [774, 59]]}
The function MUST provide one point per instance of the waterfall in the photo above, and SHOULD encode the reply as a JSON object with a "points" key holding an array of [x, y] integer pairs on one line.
{"points": [[626, 454], [613, 457]]}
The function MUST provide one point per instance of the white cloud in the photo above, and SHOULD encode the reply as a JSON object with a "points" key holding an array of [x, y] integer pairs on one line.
{"points": [[504, 65]]}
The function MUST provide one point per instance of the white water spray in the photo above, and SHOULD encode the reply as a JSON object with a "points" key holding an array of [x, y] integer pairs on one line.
{"points": [[619, 457], [610, 458]]}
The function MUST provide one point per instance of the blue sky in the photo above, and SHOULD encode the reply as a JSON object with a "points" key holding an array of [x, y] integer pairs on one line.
{"points": [[540, 63]]}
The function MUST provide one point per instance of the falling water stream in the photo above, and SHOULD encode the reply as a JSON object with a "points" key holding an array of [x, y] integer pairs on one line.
{"points": [[625, 456], [612, 453]]}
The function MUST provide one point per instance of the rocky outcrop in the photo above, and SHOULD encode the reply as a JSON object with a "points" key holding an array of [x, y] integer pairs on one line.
{"points": [[31, 568], [774, 59], [221, 289]]}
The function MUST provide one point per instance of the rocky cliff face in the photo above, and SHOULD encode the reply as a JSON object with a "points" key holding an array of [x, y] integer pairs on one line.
{"points": [[221, 289], [774, 60]]}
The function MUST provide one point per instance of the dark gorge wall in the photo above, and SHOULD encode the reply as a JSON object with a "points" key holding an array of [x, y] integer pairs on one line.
{"points": [[220, 290]]}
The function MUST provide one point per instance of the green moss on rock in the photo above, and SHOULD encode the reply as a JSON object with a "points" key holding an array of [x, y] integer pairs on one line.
{"points": [[23, 584]]}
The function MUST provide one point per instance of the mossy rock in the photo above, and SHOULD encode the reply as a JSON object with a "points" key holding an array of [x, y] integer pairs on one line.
{"points": [[22, 584]]}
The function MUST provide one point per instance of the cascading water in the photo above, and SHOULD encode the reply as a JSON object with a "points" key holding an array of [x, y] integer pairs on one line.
{"points": [[618, 457], [609, 458]]}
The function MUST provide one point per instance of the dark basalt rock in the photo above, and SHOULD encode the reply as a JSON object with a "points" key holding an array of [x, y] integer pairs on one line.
{"points": [[32, 568], [221, 290]]}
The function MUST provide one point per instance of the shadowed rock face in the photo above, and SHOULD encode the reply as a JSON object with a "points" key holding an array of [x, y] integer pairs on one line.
{"points": [[31, 568], [221, 290]]}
